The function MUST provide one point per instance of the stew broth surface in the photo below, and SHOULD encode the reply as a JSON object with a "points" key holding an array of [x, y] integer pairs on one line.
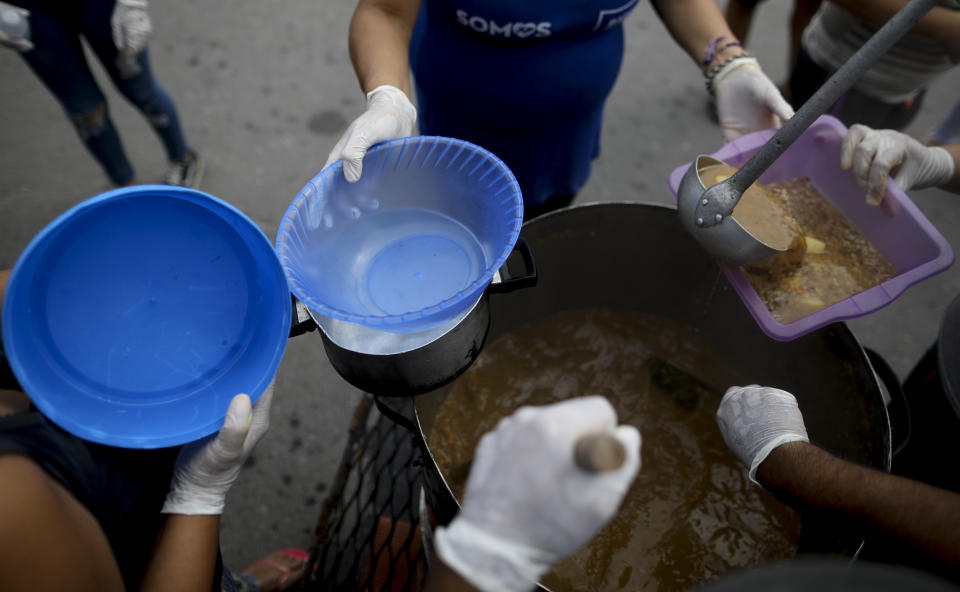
{"points": [[692, 514], [838, 263]]}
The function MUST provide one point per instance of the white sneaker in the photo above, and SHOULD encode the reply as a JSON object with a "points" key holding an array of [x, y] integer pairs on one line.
{"points": [[187, 173]]}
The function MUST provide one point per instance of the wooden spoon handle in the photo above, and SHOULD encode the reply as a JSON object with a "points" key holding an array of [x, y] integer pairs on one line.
{"points": [[599, 452]]}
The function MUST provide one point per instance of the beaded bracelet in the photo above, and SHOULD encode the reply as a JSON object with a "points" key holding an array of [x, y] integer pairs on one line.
{"points": [[713, 71], [728, 44], [710, 50]]}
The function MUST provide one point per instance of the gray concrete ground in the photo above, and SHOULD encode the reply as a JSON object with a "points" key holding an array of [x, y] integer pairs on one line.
{"points": [[264, 89]]}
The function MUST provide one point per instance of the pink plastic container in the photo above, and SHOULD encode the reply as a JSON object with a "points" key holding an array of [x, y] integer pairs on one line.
{"points": [[897, 228]]}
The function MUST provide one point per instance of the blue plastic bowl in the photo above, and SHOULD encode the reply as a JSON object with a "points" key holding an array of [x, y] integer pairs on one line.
{"points": [[412, 244], [134, 318]]}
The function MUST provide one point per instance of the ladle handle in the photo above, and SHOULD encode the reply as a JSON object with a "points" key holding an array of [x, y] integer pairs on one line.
{"points": [[831, 90], [599, 452]]}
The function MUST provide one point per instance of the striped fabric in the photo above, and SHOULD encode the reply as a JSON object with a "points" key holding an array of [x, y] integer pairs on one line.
{"points": [[834, 34]]}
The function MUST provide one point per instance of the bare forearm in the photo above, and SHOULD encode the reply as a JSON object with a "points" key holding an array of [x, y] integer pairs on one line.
{"points": [[925, 516], [694, 24], [380, 40], [185, 556]]}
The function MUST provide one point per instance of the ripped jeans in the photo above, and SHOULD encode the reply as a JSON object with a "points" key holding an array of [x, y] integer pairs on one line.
{"points": [[58, 60]]}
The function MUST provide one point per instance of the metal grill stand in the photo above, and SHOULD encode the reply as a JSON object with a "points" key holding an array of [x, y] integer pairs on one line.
{"points": [[368, 535]]}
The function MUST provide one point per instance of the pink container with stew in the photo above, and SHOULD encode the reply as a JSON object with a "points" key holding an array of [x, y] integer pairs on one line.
{"points": [[896, 228]]}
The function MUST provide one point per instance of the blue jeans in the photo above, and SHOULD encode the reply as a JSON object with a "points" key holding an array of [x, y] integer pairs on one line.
{"points": [[58, 61]]}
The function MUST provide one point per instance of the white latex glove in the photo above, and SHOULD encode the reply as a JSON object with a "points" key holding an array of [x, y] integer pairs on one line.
{"points": [[15, 27], [206, 469], [876, 154], [130, 25], [527, 505], [389, 115], [756, 419], [748, 101]]}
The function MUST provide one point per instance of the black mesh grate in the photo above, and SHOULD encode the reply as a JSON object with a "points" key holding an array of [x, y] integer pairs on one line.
{"points": [[367, 538]]}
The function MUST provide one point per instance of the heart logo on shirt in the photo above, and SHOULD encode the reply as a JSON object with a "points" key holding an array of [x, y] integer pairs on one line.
{"points": [[522, 30]]}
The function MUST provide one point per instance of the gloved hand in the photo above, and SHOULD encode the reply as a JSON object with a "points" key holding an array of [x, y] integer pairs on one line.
{"points": [[747, 101], [756, 419], [15, 27], [206, 469], [389, 115], [875, 154], [527, 505], [131, 28]]}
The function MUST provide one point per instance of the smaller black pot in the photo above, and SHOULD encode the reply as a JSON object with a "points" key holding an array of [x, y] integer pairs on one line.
{"points": [[407, 364]]}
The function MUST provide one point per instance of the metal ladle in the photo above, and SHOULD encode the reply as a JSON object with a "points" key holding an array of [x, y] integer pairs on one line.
{"points": [[705, 212]]}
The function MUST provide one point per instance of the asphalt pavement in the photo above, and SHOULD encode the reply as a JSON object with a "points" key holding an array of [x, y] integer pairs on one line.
{"points": [[264, 90]]}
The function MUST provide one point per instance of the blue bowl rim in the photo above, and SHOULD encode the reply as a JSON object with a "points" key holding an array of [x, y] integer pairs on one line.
{"points": [[50, 231], [396, 319]]}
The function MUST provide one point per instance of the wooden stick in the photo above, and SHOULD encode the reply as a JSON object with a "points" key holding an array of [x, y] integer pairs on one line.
{"points": [[598, 452]]}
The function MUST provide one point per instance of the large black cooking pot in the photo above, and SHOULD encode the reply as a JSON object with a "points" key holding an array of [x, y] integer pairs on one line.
{"points": [[638, 257]]}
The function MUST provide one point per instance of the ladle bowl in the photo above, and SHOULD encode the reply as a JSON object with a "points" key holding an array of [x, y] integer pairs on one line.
{"points": [[727, 239]]}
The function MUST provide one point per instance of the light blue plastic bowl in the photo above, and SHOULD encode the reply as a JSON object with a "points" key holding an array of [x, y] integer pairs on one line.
{"points": [[134, 318], [412, 244]]}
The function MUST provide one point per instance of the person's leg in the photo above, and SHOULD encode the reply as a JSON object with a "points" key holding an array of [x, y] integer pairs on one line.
{"points": [[141, 89], [860, 108], [806, 76], [186, 168], [803, 11], [57, 59]]}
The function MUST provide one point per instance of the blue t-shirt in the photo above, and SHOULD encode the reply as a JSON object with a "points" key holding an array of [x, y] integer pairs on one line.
{"points": [[533, 21], [525, 80]]}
